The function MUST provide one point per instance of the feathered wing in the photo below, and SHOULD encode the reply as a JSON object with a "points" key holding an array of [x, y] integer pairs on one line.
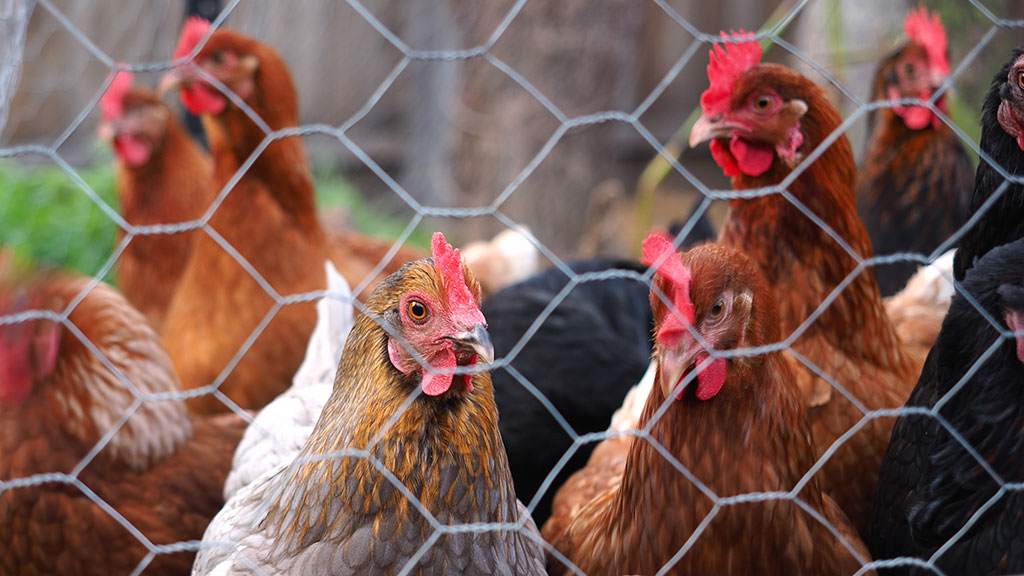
{"points": [[282, 427]]}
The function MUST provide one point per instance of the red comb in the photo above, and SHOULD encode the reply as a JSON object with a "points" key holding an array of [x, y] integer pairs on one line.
{"points": [[658, 251], [194, 30], [112, 103], [926, 31], [449, 262], [725, 66]]}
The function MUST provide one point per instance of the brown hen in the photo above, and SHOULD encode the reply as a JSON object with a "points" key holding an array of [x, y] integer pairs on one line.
{"points": [[735, 423], [914, 186], [163, 177], [762, 121], [401, 437], [268, 216], [160, 471]]}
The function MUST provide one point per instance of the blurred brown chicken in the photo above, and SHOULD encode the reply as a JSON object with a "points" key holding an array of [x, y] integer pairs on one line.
{"points": [[435, 432], [269, 216], [160, 471], [914, 186], [736, 424], [163, 177]]}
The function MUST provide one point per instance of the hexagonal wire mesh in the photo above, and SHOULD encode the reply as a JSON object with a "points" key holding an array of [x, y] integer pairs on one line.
{"points": [[14, 15]]}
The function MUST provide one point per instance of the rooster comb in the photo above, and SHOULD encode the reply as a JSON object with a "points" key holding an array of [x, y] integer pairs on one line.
{"points": [[193, 31], [926, 30], [726, 65], [449, 262], [112, 103], [659, 253]]}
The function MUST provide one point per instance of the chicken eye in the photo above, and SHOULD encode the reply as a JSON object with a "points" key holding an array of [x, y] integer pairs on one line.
{"points": [[763, 103], [909, 69], [218, 57], [716, 310], [1020, 79], [417, 311]]}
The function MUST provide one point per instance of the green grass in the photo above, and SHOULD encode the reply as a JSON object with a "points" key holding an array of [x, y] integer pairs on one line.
{"points": [[46, 217]]}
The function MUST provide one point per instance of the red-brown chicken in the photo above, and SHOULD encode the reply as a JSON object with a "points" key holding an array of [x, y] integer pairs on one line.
{"points": [[735, 423], [163, 177], [434, 432], [160, 471], [914, 186], [762, 120], [269, 216]]}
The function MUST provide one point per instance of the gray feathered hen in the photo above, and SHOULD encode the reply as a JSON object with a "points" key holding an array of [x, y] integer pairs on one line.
{"points": [[400, 453]]}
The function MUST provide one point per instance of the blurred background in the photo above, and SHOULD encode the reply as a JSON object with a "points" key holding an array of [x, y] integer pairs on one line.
{"points": [[452, 128]]}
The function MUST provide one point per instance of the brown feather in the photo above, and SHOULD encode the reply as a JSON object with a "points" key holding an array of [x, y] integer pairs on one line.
{"points": [[174, 186], [751, 437], [852, 340], [162, 472]]}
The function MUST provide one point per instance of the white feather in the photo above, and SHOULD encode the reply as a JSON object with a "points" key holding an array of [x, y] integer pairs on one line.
{"points": [[279, 431]]}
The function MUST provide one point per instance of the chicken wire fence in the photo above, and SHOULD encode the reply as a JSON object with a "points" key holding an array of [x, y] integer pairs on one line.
{"points": [[14, 16]]}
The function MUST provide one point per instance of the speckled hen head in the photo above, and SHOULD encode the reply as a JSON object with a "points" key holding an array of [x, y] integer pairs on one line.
{"points": [[748, 122], [438, 316]]}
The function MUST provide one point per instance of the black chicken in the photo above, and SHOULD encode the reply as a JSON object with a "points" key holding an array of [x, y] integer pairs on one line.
{"points": [[930, 486], [1002, 138], [592, 348]]}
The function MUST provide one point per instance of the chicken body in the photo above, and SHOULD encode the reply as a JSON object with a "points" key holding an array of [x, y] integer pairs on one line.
{"points": [[1002, 138], [583, 358], [914, 185], [163, 177], [747, 435], [268, 216], [161, 472], [384, 454], [852, 340], [931, 486], [281, 428]]}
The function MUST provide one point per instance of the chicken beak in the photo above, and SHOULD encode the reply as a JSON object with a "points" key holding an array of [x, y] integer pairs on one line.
{"points": [[676, 361], [172, 81], [710, 128], [476, 340]]}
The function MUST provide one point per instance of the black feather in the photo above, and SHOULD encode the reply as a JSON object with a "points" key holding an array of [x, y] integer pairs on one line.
{"points": [[930, 485], [1003, 222], [587, 354]]}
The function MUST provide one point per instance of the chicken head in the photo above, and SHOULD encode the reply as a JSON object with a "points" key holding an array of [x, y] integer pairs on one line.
{"points": [[133, 121], [438, 326], [748, 120], [227, 56], [1011, 108], [717, 313]]}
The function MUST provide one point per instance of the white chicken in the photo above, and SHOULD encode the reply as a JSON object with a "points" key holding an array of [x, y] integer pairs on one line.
{"points": [[277, 434]]}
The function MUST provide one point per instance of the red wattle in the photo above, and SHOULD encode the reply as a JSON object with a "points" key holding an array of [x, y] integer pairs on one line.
{"points": [[724, 159], [753, 159], [711, 379], [437, 383], [132, 150], [200, 99]]}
